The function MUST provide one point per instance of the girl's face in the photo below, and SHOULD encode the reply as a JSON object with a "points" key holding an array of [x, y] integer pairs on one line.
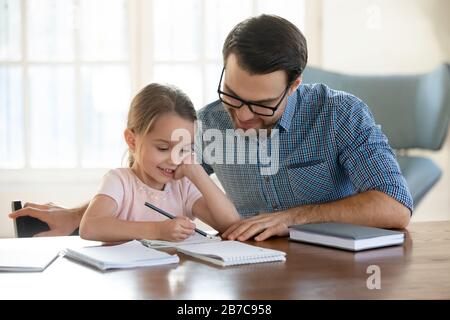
{"points": [[155, 163]]}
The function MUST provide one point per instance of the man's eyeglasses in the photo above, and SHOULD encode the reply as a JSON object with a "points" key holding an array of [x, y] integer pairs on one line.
{"points": [[256, 108]]}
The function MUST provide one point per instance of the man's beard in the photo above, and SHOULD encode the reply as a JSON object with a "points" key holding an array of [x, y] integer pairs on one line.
{"points": [[251, 131]]}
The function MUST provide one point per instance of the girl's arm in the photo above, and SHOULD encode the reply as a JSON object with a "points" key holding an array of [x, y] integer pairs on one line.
{"points": [[214, 208], [98, 223]]}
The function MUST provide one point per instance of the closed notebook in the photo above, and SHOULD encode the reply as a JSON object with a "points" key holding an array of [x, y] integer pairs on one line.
{"points": [[29, 254], [229, 253], [194, 239], [128, 255], [345, 236], [26, 260]]}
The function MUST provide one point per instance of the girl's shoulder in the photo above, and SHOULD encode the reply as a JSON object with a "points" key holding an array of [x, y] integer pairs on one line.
{"points": [[116, 183], [119, 172], [125, 175]]}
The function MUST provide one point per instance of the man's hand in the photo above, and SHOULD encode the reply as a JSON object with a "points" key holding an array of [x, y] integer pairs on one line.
{"points": [[370, 208], [263, 225], [61, 221]]}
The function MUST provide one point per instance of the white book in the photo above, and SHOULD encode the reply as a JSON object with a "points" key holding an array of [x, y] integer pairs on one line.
{"points": [[127, 255], [345, 236], [31, 254], [194, 239], [26, 260], [229, 253]]}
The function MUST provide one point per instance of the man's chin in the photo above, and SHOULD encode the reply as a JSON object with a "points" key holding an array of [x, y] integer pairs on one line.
{"points": [[254, 127], [245, 127]]}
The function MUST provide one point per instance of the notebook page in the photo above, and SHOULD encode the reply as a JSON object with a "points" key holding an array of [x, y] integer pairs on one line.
{"points": [[232, 252], [194, 239]]}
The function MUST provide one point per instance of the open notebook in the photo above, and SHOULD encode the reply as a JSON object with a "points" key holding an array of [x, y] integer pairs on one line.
{"points": [[194, 239], [229, 253], [127, 255]]}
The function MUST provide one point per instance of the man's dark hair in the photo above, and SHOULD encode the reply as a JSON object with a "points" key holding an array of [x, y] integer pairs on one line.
{"points": [[267, 43]]}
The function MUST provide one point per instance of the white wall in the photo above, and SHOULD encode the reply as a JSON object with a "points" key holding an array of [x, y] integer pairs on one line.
{"points": [[384, 36], [390, 37]]}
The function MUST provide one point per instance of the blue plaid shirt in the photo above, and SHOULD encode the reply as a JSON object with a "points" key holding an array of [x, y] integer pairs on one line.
{"points": [[329, 148]]}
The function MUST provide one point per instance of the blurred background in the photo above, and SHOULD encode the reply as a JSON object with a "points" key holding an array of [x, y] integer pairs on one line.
{"points": [[68, 69]]}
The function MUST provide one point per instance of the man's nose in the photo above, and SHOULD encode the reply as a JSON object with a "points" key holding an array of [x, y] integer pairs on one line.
{"points": [[244, 113]]}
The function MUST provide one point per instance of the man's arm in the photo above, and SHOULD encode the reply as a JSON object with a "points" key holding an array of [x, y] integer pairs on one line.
{"points": [[370, 208], [383, 199], [61, 221]]}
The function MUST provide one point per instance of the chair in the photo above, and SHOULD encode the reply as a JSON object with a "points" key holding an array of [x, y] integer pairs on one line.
{"points": [[413, 110]]}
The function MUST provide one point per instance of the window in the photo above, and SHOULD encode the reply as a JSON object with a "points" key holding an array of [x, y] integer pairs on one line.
{"points": [[68, 69], [64, 82], [188, 38]]}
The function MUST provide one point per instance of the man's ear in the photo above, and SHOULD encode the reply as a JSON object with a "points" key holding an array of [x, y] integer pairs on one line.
{"points": [[295, 85], [130, 139]]}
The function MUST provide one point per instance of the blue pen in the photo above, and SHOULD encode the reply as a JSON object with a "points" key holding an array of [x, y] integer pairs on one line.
{"points": [[168, 215]]}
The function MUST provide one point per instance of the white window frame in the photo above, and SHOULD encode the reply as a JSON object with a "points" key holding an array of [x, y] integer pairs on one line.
{"points": [[78, 173], [142, 63]]}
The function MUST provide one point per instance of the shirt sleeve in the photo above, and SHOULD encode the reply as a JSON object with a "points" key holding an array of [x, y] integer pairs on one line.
{"points": [[365, 153], [190, 194], [198, 149], [113, 186], [209, 170]]}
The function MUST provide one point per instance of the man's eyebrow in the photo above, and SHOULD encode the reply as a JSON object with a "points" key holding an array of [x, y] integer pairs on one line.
{"points": [[265, 100], [231, 91], [255, 101]]}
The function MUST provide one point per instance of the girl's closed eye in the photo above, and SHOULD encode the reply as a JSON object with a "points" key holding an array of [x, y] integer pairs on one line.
{"points": [[162, 148]]}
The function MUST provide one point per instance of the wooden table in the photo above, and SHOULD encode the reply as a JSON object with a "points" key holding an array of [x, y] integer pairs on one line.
{"points": [[418, 270]]}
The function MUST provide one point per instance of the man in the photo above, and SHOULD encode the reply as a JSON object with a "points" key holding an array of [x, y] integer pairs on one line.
{"points": [[335, 164]]}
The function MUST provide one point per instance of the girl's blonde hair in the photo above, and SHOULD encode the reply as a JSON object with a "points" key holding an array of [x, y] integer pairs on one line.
{"points": [[152, 102]]}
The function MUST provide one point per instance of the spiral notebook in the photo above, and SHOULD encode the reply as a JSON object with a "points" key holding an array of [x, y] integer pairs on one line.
{"points": [[127, 255], [194, 239], [229, 253]]}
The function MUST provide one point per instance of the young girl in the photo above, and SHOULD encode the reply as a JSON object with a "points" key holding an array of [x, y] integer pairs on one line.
{"points": [[118, 211]]}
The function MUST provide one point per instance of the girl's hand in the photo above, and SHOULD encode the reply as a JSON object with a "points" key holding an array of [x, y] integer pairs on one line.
{"points": [[176, 229], [187, 168]]}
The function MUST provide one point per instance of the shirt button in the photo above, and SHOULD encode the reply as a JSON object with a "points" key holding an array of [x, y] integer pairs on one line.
{"points": [[266, 179], [275, 206]]}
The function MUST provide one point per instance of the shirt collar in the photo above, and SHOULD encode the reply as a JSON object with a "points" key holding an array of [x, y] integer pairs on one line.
{"points": [[286, 118]]}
